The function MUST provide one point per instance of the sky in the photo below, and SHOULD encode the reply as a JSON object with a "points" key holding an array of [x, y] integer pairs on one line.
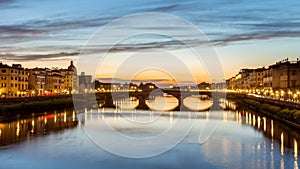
{"points": [[243, 34]]}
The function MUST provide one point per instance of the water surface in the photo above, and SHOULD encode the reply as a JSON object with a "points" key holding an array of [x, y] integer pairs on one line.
{"points": [[241, 140]]}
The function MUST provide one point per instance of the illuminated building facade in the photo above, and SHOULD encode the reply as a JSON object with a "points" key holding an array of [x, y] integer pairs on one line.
{"points": [[13, 81]]}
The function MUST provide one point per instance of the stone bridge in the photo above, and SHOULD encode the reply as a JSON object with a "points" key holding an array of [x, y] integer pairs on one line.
{"points": [[108, 98]]}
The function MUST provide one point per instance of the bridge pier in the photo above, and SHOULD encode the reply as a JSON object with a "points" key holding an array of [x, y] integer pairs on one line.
{"points": [[142, 104], [108, 102], [180, 106]]}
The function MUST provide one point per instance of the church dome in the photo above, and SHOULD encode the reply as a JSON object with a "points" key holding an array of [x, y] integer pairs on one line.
{"points": [[72, 67]]}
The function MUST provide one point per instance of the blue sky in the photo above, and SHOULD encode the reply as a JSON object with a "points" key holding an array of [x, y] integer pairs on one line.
{"points": [[244, 33]]}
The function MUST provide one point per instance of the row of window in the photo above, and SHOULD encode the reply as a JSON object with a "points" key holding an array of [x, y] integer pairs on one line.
{"points": [[284, 73], [15, 71], [15, 78], [20, 86], [292, 84]]}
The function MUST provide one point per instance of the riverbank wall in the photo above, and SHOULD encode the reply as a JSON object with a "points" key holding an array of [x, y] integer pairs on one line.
{"points": [[282, 112]]}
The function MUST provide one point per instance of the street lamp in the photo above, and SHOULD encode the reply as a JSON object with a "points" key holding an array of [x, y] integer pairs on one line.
{"points": [[271, 93], [282, 94], [290, 93], [295, 96], [277, 94]]}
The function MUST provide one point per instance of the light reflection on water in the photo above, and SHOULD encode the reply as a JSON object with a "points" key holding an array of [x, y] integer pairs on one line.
{"points": [[162, 103], [198, 102], [242, 140], [24, 129], [127, 103]]}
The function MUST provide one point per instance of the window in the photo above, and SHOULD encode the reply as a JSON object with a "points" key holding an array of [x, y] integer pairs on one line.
{"points": [[293, 83], [3, 70], [16, 85], [12, 78], [11, 85], [3, 84], [16, 78], [283, 73], [294, 72]]}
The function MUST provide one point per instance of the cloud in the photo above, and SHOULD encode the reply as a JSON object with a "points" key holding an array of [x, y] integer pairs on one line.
{"points": [[19, 31], [133, 47], [16, 57], [5, 3], [49, 28], [229, 22], [255, 36]]}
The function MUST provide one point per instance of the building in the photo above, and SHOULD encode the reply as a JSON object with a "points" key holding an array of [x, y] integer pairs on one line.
{"points": [[283, 75], [44, 81], [256, 77], [289, 74], [272, 77], [85, 82], [147, 87], [55, 83], [13, 81], [241, 80], [203, 85], [69, 79], [37, 81], [72, 78]]}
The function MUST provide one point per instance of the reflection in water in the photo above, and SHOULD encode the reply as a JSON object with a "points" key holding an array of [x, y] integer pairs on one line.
{"points": [[127, 103], [295, 149], [162, 103], [272, 129], [258, 122], [265, 123], [283, 134], [171, 117], [295, 154], [282, 144], [225, 117], [198, 102], [275, 152], [19, 130], [230, 104], [243, 139]]}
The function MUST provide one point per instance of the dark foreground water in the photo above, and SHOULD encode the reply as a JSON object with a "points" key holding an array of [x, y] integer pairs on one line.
{"points": [[61, 140]]}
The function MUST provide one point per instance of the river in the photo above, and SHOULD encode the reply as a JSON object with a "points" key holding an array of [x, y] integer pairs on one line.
{"points": [[81, 139]]}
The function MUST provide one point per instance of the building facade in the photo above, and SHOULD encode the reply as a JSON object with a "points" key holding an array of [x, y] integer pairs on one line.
{"points": [[37, 81], [55, 83], [283, 75], [13, 81]]}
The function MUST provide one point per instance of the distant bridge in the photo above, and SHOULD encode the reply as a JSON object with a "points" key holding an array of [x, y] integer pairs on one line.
{"points": [[108, 98]]}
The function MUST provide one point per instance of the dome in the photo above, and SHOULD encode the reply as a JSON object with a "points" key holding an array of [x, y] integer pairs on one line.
{"points": [[72, 67]]}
